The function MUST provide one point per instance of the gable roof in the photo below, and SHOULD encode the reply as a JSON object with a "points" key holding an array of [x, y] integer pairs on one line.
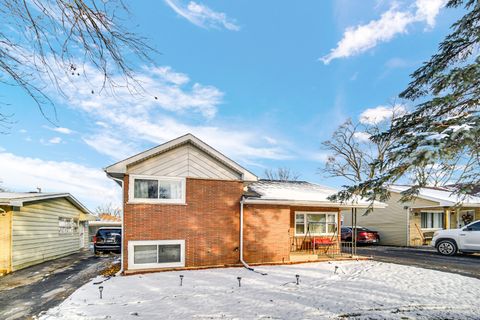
{"points": [[298, 193], [18, 199], [118, 169], [443, 196]]}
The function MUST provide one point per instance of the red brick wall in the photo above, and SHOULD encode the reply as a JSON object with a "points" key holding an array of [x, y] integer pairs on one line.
{"points": [[266, 233], [209, 222]]}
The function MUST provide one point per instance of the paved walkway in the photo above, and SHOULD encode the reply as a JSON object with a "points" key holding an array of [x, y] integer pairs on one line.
{"points": [[27, 292]]}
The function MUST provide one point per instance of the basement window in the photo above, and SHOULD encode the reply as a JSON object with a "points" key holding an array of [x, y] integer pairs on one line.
{"points": [[156, 254], [154, 189]]}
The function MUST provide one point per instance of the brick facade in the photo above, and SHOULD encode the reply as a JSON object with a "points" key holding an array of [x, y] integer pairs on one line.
{"points": [[208, 222], [268, 230]]}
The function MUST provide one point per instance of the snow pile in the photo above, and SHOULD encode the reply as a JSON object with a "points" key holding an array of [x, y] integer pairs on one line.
{"points": [[360, 290]]}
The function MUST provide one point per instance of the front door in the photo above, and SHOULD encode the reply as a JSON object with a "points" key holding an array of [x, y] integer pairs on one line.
{"points": [[470, 237]]}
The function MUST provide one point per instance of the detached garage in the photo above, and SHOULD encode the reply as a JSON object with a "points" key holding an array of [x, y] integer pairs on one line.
{"points": [[36, 227]]}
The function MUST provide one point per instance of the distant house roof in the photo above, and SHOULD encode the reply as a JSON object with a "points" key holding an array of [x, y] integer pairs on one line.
{"points": [[442, 195], [109, 217], [118, 169], [298, 193], [18, 199]]}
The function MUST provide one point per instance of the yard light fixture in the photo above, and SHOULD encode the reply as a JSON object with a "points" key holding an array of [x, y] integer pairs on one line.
{"points": [[298, 279], [239, 281], [100, 289], [336, 269], [181, 280]]}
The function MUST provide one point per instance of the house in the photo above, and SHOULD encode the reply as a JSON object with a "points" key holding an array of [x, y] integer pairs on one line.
{"points": [[103, 220], [413, 223], [188, 205], [36, 227]]}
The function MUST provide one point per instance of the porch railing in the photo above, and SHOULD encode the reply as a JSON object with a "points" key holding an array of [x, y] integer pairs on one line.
{"points": [[321, 246]]}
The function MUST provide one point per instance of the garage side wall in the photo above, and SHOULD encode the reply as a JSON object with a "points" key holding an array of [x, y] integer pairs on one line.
{"points": [[5, 240], [36, 234]]}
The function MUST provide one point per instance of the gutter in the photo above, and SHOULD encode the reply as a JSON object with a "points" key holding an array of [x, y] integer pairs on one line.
{"points": [[123, 210], [376, 205]]}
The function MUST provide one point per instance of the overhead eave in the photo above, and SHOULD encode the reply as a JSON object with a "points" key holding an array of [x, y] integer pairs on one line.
{"points": [[19, 202], [314, 203]]}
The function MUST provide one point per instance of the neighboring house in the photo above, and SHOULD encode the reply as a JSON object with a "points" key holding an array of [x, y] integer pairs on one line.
{"points": [[188, 205], [36, 227], [413, 223], [103, 220]]}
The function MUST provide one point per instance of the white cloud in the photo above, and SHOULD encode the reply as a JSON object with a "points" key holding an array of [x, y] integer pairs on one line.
{"points": [[136, 118], [381, 113], [55, 140], [360, 38], [62, 130], [427, 10], [362, 136], [106, 144], [87, 184], [202, 16]]}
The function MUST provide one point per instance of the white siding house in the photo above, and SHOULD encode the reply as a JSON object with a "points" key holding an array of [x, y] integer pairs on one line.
{"points": [[37, 227]]}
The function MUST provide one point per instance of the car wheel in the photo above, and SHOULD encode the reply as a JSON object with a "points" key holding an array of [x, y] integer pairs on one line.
{"points": [[447, 247]]}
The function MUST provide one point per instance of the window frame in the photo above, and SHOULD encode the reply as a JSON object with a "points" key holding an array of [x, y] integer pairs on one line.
{"points": [[131, 254], [68, 226], [305, 225], [131, 189], [442, 213]]}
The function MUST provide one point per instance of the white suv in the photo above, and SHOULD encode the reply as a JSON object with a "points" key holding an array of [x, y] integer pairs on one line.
{"points": [[449, 242]]}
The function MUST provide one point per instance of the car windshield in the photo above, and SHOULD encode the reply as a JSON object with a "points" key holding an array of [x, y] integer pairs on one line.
{"points": [[109, 233], [358, 229]]}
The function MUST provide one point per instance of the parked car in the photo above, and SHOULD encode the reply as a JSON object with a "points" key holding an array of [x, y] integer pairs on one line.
{"points": [[107, 239], [450, 241], [364, 235]]}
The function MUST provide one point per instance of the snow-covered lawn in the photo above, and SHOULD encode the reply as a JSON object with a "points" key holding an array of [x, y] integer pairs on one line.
{"points": [[361, 290]]}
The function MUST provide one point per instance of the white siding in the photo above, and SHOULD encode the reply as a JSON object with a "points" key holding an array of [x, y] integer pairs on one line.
{"points": [[36, 236], [390, 222], [184, 161]]}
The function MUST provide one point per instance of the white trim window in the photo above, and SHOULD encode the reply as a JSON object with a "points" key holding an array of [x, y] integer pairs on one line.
{"points": [[315, 223], [152, 254], [66, 225], [155, 189], [432, 219]]}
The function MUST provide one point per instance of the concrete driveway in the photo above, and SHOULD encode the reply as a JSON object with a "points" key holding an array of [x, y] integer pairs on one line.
{"points": [[424, 257], [27, 292]]}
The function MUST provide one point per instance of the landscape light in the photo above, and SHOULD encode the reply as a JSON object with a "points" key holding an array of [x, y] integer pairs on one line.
{"points": [[181, 280], [298, 278], [100, 289], [239, 281]]}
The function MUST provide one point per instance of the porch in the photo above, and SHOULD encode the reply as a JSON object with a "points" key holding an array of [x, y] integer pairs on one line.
{"points": [[315, 248], [424, 221]]}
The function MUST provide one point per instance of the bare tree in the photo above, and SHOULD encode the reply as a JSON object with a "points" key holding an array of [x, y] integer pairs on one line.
{"points": [[353, 155], [281, 174], [42, 41], [108, 208]]}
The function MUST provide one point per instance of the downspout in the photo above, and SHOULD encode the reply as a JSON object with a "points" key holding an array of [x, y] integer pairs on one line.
{"points": [[123, 234], [241, 237]]}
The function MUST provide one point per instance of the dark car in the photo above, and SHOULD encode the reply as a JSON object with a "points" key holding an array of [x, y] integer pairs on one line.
{"points": [[107, 239], [364, 235]]}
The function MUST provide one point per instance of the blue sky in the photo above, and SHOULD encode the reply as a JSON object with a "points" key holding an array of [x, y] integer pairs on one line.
{"points": [[265, 82]]}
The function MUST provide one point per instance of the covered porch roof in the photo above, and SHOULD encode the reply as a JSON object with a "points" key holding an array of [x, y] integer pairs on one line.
{"points": [[444, 197], [299, 193]]}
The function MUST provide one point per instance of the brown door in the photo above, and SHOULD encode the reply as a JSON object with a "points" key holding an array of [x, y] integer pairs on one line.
{"points": [[5, 241]]}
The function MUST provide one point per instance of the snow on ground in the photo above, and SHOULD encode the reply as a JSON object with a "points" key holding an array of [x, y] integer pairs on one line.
{"points": [[359, 289]]}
